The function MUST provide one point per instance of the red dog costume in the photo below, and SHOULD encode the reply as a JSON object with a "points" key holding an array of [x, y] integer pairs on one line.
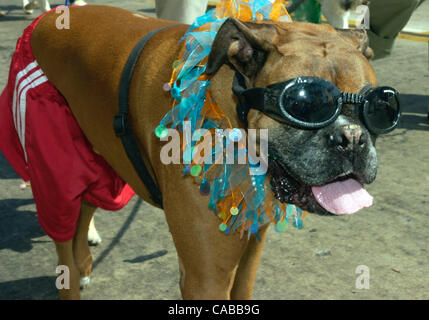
{"points": [[44, 144]]}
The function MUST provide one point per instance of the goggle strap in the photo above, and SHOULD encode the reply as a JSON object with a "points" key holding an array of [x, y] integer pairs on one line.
{"points": [[247, 98], [352, 98]]}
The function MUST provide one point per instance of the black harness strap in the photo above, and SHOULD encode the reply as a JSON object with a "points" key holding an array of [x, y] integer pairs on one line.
{"points": [[120, 123]]}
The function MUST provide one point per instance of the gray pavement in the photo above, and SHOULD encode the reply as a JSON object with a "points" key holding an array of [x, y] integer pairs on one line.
{"points": [[137, 259]]}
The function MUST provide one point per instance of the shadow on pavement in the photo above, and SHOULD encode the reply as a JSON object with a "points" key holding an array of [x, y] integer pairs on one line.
{"points": [[40, 288], [149, 10], [414, 112], [6, 171], [154, 255], [13, 17], [120, 234], [18, 228], [8, 17]]}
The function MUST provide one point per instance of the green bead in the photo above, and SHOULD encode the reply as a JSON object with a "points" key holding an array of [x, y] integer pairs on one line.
{"points": [[234, 211], [281, 226], [161, 131], [196, 170], [223, 227]]}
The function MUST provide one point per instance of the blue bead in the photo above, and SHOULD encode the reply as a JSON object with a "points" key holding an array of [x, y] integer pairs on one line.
{"points": [[235, 135], [187, 170], [205, 187]]}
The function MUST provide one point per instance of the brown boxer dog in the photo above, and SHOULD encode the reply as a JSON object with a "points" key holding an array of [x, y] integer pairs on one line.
{"points": [[85, 64]]}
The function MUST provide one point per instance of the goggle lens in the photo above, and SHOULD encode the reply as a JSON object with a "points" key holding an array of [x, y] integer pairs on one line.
{"points": [[381, 109], [310, 102]]}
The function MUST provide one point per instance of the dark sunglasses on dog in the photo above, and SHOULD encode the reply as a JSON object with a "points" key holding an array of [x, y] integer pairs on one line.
{"points": [[313, 103]]}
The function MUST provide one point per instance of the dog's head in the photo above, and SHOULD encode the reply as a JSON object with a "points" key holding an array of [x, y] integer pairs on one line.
{"points": [[308, 167]]}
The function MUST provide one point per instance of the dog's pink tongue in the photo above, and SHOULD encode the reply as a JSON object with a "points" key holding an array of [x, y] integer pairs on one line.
{"points": [[343, 197]]}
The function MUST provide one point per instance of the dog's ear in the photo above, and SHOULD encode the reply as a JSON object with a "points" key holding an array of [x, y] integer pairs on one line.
{"points": [[359, 39], [242, 45]]}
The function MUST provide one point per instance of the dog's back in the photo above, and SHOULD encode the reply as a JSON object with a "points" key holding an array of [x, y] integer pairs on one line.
{"points": [[93, 52]]}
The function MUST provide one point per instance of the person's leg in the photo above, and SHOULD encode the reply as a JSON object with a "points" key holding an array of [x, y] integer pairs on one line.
{"points": [[78, 2], [66, 258], [185, 11], [44, 5], [387, 19], [28, 6]]}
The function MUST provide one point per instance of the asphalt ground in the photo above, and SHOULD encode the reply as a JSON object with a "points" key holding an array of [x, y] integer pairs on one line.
{"points": [[137, 259]]}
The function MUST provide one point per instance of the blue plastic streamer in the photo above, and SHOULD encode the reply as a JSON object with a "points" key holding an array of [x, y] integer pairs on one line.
{"points": [[190, 94]]}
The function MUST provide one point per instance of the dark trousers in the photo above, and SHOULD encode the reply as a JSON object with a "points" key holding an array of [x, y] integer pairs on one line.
{"points": [[387, 19]]}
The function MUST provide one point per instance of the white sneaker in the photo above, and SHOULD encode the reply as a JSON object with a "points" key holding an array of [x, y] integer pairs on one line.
{"points": [[30, 5], [44, 5]]}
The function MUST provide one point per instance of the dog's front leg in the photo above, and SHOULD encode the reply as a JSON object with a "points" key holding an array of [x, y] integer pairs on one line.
{"points": [[207, 271], [76, 256], [208, 259], [66, 258], [81, 252], [246, 272]]}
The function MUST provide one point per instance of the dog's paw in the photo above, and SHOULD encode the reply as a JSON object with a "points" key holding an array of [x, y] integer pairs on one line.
{"points": [[24, 185], [84, 282], [94, 238]]}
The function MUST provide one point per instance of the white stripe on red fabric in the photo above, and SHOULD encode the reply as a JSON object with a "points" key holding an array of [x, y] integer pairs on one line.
{"points": [[26, 82], [23, 107], [30, 80], [19, 76]]}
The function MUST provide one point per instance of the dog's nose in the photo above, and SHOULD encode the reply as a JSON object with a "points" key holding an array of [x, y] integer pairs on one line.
{"points": [[348, 137]]}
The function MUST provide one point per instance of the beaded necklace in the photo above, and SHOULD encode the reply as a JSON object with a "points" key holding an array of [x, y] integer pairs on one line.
{"points": [[242, 199]]}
